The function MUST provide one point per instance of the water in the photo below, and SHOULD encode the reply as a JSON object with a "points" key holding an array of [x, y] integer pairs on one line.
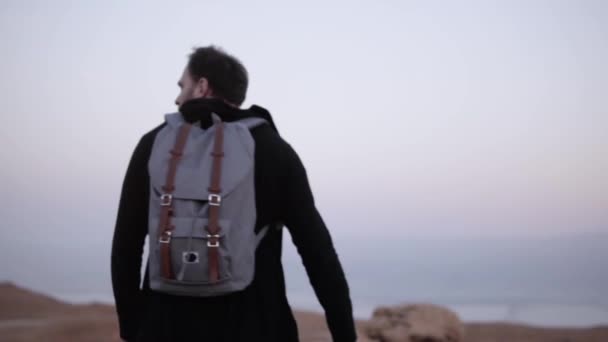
{"points": [[546, 282], [549, 315]]}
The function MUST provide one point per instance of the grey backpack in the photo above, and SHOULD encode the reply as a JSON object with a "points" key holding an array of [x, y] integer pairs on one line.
{"points": [[202, 207]]}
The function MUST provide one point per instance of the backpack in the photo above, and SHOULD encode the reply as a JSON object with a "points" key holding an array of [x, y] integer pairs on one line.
{"points": [[202, 210]]}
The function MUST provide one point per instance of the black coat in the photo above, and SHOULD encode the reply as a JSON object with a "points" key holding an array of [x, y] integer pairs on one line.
{"points": [[261, 311]]}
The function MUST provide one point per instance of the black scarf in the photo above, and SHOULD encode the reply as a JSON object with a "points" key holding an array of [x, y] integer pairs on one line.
{"points": [[199, 110]]}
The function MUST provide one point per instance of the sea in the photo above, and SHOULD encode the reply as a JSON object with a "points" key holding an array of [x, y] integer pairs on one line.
{"points": [[551, 282]]}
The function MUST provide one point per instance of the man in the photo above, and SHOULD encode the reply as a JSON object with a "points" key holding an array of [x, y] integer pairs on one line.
{"points": [[215, 82]]}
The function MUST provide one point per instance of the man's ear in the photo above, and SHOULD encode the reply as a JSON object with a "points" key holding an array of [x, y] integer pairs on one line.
{"points": [[203, 89]]}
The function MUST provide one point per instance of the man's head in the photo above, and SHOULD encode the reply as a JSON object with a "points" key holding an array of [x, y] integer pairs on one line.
{"points": [[212, 73]]}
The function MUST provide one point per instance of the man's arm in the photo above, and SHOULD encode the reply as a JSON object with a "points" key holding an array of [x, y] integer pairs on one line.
{"points": [[314, 244], [129, 235]]}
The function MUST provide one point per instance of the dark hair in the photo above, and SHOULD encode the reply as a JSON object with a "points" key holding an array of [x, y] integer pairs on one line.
{"points": [[226, 75]]}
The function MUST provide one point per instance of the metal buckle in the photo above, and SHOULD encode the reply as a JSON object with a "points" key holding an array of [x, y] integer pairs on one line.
{"points": [[215, 200], [216, 244], [165, 238], [166, 199]]}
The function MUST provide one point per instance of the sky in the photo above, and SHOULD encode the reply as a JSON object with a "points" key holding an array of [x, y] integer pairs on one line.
{"points": [[413, 118]]}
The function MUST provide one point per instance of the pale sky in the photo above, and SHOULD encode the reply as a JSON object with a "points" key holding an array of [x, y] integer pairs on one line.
{"points": [[427, 118]]}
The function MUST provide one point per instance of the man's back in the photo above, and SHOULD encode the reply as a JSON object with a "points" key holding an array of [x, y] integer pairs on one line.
{"points": [[261, 311]]}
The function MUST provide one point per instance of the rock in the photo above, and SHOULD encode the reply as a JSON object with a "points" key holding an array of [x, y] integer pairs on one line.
{"points": [[414, 323]]}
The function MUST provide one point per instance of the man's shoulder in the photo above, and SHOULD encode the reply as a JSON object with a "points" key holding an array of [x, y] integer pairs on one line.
{"points": [[269, 144], [268, 141], [151, 134], [144, 146], [273, 151]]}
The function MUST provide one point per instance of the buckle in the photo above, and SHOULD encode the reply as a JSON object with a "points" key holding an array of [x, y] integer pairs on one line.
{"points": [[166, 199], [215, 200], [212, 244], [165, 238]]}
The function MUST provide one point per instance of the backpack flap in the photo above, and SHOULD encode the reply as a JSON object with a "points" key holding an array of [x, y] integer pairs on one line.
{"points": [[193, 175]]}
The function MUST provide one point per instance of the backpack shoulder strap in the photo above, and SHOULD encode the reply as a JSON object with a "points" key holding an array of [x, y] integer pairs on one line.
{"points": [[174, 119]]}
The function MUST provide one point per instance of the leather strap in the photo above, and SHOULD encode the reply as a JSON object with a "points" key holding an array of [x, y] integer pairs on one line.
{"points": [[215, 201], [166, 202]]}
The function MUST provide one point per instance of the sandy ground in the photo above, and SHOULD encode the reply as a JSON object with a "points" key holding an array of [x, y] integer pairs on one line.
{"points": [[27, 316]]}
